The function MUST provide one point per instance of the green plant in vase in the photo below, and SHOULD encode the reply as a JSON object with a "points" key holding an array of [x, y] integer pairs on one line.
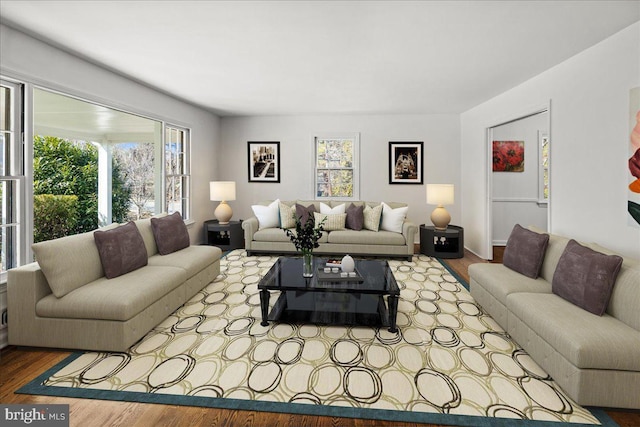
{"points": [[305, 239]]}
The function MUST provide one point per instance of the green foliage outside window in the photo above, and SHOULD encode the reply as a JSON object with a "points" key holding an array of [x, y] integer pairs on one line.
{"points": [[54, 216], [64, 167]]}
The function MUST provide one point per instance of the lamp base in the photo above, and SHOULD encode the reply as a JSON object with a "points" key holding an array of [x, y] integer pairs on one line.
{"points": [[440, 218], [223, 213]]}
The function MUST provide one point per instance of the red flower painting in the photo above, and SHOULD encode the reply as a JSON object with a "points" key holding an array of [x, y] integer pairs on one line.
{"points": [[508, 156]]}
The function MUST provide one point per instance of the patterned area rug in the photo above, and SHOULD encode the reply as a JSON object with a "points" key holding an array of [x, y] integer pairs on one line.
{"points": [[448, 357]]}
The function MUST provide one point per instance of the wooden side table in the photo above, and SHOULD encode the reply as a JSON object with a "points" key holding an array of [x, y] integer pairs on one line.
{"points": [[225, 236], [447, 243]]}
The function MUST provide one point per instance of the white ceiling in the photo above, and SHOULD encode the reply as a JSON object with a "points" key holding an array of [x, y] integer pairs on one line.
{"points": [[323, 57]]}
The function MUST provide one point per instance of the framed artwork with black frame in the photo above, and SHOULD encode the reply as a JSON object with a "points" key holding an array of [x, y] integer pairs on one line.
{"points": [[264, 161], [405, 162]]}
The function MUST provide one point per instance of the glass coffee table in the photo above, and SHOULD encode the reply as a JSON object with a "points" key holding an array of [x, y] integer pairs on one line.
{"points": [[331, 301]]}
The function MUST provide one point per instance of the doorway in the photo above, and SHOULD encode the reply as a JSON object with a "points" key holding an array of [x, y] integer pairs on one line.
{"points": [[519, 178]]}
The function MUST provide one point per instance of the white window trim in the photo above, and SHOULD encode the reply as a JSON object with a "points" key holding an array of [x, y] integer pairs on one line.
{"points": [[356, 163], [186, 216]]}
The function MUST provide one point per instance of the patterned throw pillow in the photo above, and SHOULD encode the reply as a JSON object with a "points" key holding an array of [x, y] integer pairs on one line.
{"points": [[333, 222], [372, 217], [287, 216]]}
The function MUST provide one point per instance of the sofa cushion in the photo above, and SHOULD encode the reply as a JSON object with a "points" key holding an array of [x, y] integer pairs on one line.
{"points": [[268, 216], [338, 209], [366, 237], [120, 298], [287, 216], [330, 222], [278, 235], [372, 217], [170, 233], [392, 219], [585, 340], [59, 258], [355, 217], [192, 259], [121, 250], [525, 251], [625, 298], [303, 213], [555, 248], [144, 227], [586, 277], [501, 281]]}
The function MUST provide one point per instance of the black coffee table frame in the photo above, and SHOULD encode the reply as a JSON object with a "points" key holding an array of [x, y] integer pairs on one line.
{"points": [[314, 300]]}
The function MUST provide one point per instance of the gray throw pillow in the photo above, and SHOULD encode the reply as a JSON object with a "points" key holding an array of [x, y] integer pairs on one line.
{"points": [[303, 212], [525, 251], [121, 250], [170, 233], [355, 217], [585, 277]]}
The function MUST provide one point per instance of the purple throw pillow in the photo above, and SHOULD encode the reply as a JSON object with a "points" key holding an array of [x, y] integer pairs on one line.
{"points": [[525, 251], [355, 217], [121, 250], [303, 212], [170, 233], [585, 277]]}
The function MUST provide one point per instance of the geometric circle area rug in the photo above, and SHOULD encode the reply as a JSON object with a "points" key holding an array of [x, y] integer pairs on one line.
{"points": [[449, 363]]}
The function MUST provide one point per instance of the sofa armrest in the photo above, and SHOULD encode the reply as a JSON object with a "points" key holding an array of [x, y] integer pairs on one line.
{"points": [[409, 230], [26, 286], [250, 226]]}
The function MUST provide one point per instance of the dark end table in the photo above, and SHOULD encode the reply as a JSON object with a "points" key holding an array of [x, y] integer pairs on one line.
{"points": [[447, 243], [225, 236]]}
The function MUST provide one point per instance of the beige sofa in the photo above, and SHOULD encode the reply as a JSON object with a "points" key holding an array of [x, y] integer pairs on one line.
{"points": [[103, 314], [338, 242], [595, 359]]}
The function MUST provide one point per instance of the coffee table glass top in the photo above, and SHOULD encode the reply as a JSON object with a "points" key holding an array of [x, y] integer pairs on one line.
{"points": [[286, 275]]}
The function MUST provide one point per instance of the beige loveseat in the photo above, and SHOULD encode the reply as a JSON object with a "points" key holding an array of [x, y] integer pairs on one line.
{"points": [[102, 314], [595, 359], [337, 242]]}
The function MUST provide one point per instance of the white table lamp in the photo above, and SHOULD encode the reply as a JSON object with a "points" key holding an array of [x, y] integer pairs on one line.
{"points": [[440, 194], [222, 191]]}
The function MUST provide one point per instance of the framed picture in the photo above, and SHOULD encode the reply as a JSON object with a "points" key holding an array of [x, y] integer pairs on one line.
{"points": [[264, 161], [508, 156], [405, 163]]}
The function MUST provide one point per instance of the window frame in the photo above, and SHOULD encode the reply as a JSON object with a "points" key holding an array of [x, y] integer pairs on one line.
{"points": [[355, 164], [186, 169]]}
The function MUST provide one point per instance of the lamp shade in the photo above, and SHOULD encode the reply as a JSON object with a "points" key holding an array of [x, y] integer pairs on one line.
{"points": [[440, 194], [222, 190]]}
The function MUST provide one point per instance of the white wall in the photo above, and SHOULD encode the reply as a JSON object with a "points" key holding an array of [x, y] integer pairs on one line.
{"points": [[589, 96], [440, 134], [515, 194], [29, 60]]}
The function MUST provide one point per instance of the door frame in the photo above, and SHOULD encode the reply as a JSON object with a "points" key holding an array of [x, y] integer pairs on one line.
{"points": [[529, 112]]}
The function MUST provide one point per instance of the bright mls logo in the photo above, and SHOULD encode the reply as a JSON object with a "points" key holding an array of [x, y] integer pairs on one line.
{"points": [[35, 415]]}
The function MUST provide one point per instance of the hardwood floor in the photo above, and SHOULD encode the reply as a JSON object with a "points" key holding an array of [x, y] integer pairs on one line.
{"points": [[18, 366]]}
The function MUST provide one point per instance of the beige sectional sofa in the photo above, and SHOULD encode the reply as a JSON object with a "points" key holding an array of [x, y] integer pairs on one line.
{"points": [[343, 241], [595, 359], [101, 314]]}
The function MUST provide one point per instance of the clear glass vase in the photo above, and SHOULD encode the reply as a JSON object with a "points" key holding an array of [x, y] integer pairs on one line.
{"points": [[307, 264]]}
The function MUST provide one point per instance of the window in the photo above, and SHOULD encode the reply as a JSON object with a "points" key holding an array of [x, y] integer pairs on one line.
{"points": [[543, 185], [11, 175], [336, 167], [177, 175]]}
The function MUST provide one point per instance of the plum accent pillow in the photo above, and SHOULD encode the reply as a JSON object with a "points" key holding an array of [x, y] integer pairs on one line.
{"points": [[372, 217], [355, 217], [121, 250], [332, 222], [268, 216], [170, 233], [525, 251], [303, 213], [585, 277], [392, 219]]}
